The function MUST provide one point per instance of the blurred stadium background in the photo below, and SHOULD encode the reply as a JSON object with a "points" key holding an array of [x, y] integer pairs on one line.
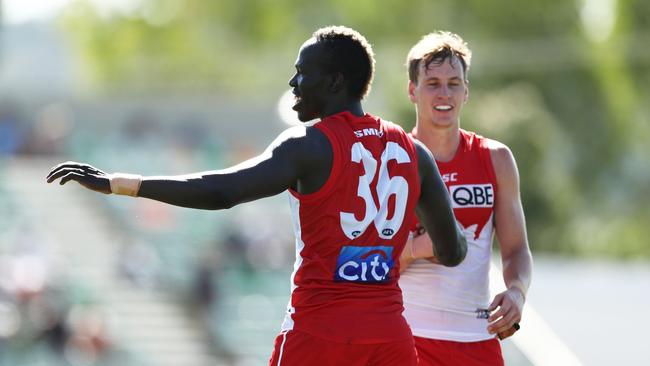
{"points": [[171, 86]]}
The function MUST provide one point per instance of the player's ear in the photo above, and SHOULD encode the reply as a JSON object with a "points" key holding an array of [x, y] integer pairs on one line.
{"points": [[411, 91], [337, 81]]}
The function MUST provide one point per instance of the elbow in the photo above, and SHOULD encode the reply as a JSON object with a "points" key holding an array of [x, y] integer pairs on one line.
{"points": [[219, 201], [222, 205], [225, 205], [455, 256]]}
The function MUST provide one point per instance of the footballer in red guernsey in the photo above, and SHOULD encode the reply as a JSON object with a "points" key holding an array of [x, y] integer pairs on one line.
{"points": [[349, 235], [450, 312], [354, 182]]}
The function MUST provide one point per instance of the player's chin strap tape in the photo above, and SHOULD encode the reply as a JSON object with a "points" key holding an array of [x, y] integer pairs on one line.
{"points": [[125, 184]]}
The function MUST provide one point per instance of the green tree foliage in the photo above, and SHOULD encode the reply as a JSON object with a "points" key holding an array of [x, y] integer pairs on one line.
{"points": [[563, 83]]}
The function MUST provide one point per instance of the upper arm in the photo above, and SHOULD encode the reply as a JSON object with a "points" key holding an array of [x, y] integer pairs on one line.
{"points": [[298, 155], [510, 223], [284, 162]]}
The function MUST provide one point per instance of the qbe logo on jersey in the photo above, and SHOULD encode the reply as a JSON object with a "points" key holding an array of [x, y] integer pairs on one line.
{"points": [[364, 264], [472, 195]]}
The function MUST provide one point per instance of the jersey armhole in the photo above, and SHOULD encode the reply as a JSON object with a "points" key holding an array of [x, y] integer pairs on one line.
{"points": [[486, 156], [334, 171]]}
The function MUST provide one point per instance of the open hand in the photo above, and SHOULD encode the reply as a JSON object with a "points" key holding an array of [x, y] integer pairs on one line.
{"points": [[84, 174]]}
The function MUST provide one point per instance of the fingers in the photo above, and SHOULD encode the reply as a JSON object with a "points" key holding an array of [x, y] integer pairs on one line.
{"points": [[91, 181], [496, 302], [503, 319], [72, 176], [503, 310], [71, 166], [503, 322], [57, 168], [62, 173], [510, 331], [84, 174]]}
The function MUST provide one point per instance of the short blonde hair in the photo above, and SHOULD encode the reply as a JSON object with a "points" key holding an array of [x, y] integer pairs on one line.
{"points": [[438, 47]]}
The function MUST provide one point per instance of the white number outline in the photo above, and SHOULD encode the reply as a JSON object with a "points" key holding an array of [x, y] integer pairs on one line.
{"points": [[386, 187]]}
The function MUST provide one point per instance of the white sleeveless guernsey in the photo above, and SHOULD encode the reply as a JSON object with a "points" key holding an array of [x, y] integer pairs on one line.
{"points": [[448, 303]]}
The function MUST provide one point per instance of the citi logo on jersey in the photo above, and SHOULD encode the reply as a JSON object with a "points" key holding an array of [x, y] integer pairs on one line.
{"points": [[364, 264], [472, 195], [369, 132]]}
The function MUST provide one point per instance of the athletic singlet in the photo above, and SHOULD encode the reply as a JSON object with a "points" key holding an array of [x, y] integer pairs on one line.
{"points": [[350, 233], [445, 302]]}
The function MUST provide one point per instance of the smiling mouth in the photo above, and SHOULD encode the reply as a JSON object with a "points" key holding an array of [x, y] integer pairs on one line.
{"points": [[443, 108]]}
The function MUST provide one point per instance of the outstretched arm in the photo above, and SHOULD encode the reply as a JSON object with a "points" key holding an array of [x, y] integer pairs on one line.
{"points": [[513, 243], [435, 212], [282, 165]]}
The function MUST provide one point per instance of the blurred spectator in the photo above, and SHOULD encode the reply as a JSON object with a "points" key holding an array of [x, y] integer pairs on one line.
{"points": [[89, 342], [53, 125], [235, 244], [142, 124], [12, 134], [47, 313], [140, 264], [40, 321]]}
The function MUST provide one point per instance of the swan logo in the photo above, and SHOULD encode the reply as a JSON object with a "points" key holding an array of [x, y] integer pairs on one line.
{"points": [[364, 264]]}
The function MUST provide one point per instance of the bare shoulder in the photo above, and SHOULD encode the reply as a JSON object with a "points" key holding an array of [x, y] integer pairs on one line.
{"points": [[503, 160], [299, 138], [300, 146], [308, 144]]}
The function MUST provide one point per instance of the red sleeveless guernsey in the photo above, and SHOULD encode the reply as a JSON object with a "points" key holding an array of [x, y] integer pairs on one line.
{"points": [[350, 233]]}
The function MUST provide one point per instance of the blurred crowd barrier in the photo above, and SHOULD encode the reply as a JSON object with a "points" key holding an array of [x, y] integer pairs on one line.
{"points": [[47, 317], [230, 269]]}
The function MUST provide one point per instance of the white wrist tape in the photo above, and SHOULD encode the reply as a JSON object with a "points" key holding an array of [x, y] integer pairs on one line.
{"points": [[519, 286], [125, 184]]}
